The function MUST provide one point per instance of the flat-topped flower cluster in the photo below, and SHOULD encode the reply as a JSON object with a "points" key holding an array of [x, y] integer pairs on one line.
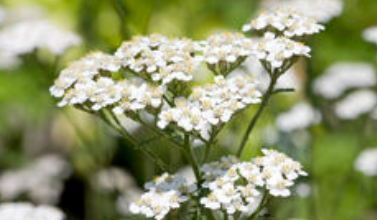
{"points": [[150, 80], [232, 185], [240, 186]]}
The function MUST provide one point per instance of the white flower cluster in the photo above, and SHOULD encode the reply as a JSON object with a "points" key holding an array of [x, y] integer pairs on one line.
{"points": [[239, 188], [275, 50], [42, 181], [164, 194], [299, 117], [340, 77], [26, 36], [87, 82], [162, 59], [226, 47], [212, 104], [366, 162], [356, 104], [322, 10], [27, 211], [288, 22], [370, 35]]}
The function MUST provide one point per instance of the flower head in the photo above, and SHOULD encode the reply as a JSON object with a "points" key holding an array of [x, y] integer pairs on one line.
{"points": [[285, 21]]}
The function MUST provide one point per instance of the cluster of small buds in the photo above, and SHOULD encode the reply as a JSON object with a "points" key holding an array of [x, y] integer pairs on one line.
{"points": [[213, 170], [165, 193], [225, 49], [27, 211], [211, 105], [286, 21], [276, 50], [239, 188], [161, 59], [88, 82]]}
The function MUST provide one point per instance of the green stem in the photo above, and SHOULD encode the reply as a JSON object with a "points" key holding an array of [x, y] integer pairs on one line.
{"points": [[146, 151], [262, 204], [254, 120], [191, 157]]}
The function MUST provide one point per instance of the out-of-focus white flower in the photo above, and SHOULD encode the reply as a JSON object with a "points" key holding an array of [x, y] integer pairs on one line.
{"points": [[212, 104], [27, 211], [366, 162], [113, 180], [275, 50], [226, 48], [322, 10], [238, 187], [356, 104], [165, 193], [26, 36], [9, 61], [340, 77], [160, 58], [370, 35], [303, 190], [286, 21], [41, 181], [300, 116]]}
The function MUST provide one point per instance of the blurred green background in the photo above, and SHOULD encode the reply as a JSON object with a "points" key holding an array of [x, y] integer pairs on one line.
{"points": [[31, 124]]}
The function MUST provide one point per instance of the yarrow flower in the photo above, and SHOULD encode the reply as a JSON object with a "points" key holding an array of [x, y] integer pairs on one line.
{"points": [[42, 181], [285, 21], [27, 211], [164, 193], [26, 36], [227, 50], [356, 104], [366, 162], [370, 35], [322, 10], [211, 105], [88, 82], [159, 58], [340, 77], [276, 50], [300, 116], [238, 187]]}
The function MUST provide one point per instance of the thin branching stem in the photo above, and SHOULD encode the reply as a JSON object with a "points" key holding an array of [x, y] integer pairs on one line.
{"points": [[256, 116]]}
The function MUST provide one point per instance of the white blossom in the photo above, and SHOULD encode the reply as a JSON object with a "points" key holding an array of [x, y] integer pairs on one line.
{"points": [[162, 59], [87, 82], [356, 104], [322, 10], [227, 49], [42, 181], [165, 193], [27, 211], [26, 36], [341, 77], [370, 35], [366, 162], [211, 105], [238, 186], [276, 50], [286, 21], [301, 116]]}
